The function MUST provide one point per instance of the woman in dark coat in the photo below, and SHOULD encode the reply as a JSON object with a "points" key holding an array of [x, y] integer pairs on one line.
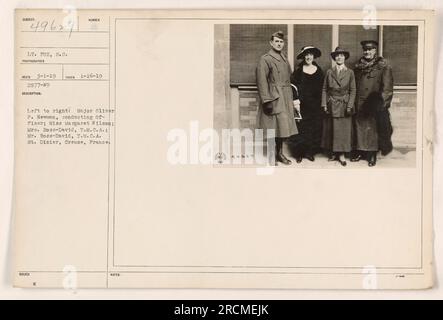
{"points": [[338, 99], [308, 78]]}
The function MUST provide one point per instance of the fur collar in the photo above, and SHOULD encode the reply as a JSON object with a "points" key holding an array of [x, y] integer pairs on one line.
{"points": [[378, 63]]}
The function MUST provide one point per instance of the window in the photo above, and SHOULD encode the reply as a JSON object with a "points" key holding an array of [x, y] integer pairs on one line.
{"points": [[319, 36], [398, 44], [400, 48], [349, 38], [248, 42]]}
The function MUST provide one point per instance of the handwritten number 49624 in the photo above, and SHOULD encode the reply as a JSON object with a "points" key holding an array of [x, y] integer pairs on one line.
{"points": [[48, 26]]}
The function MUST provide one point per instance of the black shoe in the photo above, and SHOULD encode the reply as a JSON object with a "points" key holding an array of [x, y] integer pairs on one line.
{"points": [[284, 157], [310, 158], [342, 162], [356, 158], [298, 159], [281, 158]]}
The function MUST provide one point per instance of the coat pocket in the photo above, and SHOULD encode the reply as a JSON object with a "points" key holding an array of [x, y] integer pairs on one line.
{"points": [[270, 107], [275, 104], [337, 106]]}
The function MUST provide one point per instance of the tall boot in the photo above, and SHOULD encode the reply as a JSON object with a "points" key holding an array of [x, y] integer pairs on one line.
{"points": [[372, 158], [280, 157]]}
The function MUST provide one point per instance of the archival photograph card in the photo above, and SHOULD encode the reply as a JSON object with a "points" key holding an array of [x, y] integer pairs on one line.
{"points": [[223, 149]]}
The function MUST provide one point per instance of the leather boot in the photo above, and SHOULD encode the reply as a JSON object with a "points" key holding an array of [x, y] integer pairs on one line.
{"points": [[280, 157], [372, 158]]}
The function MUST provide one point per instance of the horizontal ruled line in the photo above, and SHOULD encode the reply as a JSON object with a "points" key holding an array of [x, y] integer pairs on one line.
{"points": [[268, 272], [264, 267], [68, 31], [233, 272], [64, 47], [61, 271], [64, 80], [70, 63]]}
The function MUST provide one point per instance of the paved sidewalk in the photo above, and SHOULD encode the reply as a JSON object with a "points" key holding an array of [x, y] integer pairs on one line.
{"points": [[396, 159]]}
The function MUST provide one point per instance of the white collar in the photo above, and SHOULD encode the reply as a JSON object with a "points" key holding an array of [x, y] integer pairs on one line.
{"points": [[340, 67]]}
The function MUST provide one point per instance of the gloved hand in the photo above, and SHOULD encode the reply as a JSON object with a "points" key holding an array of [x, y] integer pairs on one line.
{"points": [[349, 111], [325, 109], [267, 108]]}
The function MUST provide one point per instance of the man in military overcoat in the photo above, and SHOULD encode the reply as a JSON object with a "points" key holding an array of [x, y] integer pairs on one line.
{"points": [[276, 110], [372, 123]]}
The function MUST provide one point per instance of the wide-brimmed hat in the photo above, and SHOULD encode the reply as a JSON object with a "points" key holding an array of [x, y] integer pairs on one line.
{"points": [[309, 49], [339, 50], [369, 44]]}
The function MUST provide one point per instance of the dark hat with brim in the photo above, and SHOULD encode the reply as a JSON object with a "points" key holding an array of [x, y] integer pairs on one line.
{"points": [[339, 50], [309, 49], [369, 44]]}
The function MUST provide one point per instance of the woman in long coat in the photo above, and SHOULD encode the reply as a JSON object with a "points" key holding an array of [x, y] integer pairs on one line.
{"points": [[308, 78], [338, 99]]}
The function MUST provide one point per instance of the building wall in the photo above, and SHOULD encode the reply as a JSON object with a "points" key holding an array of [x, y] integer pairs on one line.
{"points": [[248, 108], [403, 116], [222, 89]]}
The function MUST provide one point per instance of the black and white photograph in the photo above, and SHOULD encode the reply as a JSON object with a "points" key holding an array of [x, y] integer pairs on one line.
{"points": [[332, 95], [223, 149]]}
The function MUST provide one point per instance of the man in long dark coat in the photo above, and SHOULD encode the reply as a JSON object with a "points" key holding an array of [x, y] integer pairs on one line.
{"points": [[276, 109], [372, 122]]}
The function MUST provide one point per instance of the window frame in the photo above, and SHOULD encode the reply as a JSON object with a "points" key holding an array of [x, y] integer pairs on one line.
{"points": [[335, 42]]}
